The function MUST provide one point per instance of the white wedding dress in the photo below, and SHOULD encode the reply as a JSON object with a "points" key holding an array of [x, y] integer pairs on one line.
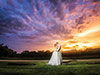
{"points": [[56, 58]]}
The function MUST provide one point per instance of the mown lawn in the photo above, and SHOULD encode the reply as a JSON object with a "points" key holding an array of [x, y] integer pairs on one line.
{"points": [[41, 68]]}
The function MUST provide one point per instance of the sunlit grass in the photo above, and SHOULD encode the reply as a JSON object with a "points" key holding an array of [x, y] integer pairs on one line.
{"points": [[41, 68]]}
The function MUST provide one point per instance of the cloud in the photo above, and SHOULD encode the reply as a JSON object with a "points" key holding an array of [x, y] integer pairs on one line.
{"points": [[96, 1], [45, 21]]}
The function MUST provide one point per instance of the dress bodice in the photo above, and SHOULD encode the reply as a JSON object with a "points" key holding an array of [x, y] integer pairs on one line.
{"points": [[55, 49]]}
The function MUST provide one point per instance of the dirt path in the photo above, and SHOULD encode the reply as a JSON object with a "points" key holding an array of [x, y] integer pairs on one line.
{"points": [[46, 60], [23, 60]]}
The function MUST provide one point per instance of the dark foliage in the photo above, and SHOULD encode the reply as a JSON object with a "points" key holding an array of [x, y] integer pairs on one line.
{"points": [[78, 53], [6, 52], [42, 53]]}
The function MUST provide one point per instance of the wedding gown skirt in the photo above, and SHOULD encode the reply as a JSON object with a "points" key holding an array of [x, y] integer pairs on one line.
{"points": [[56, 58]]}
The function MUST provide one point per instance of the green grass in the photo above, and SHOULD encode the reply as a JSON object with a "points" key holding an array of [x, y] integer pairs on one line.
{"points": [[41, 68]]}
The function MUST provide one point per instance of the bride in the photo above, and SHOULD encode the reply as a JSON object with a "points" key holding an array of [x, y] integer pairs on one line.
{"points": [[56, 58]]}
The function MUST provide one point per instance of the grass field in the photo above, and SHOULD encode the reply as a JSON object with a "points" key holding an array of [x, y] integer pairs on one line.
{"points": [[73, 67]]}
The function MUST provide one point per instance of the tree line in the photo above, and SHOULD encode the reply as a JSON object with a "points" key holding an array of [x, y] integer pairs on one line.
{"points": [[7, 52]]}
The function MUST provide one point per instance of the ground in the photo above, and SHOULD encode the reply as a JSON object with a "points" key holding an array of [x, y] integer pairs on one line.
{"points": [[40, 67]]}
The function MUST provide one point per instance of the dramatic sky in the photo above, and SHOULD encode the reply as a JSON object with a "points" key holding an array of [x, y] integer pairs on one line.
{"points": [[38, 24]]}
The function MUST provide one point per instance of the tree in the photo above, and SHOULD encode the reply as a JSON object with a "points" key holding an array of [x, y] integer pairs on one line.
{"points": [[5, 51]]}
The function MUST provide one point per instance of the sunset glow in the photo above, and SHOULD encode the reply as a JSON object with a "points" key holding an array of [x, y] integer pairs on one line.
{"points": [[89, 38], [38, 24]]}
